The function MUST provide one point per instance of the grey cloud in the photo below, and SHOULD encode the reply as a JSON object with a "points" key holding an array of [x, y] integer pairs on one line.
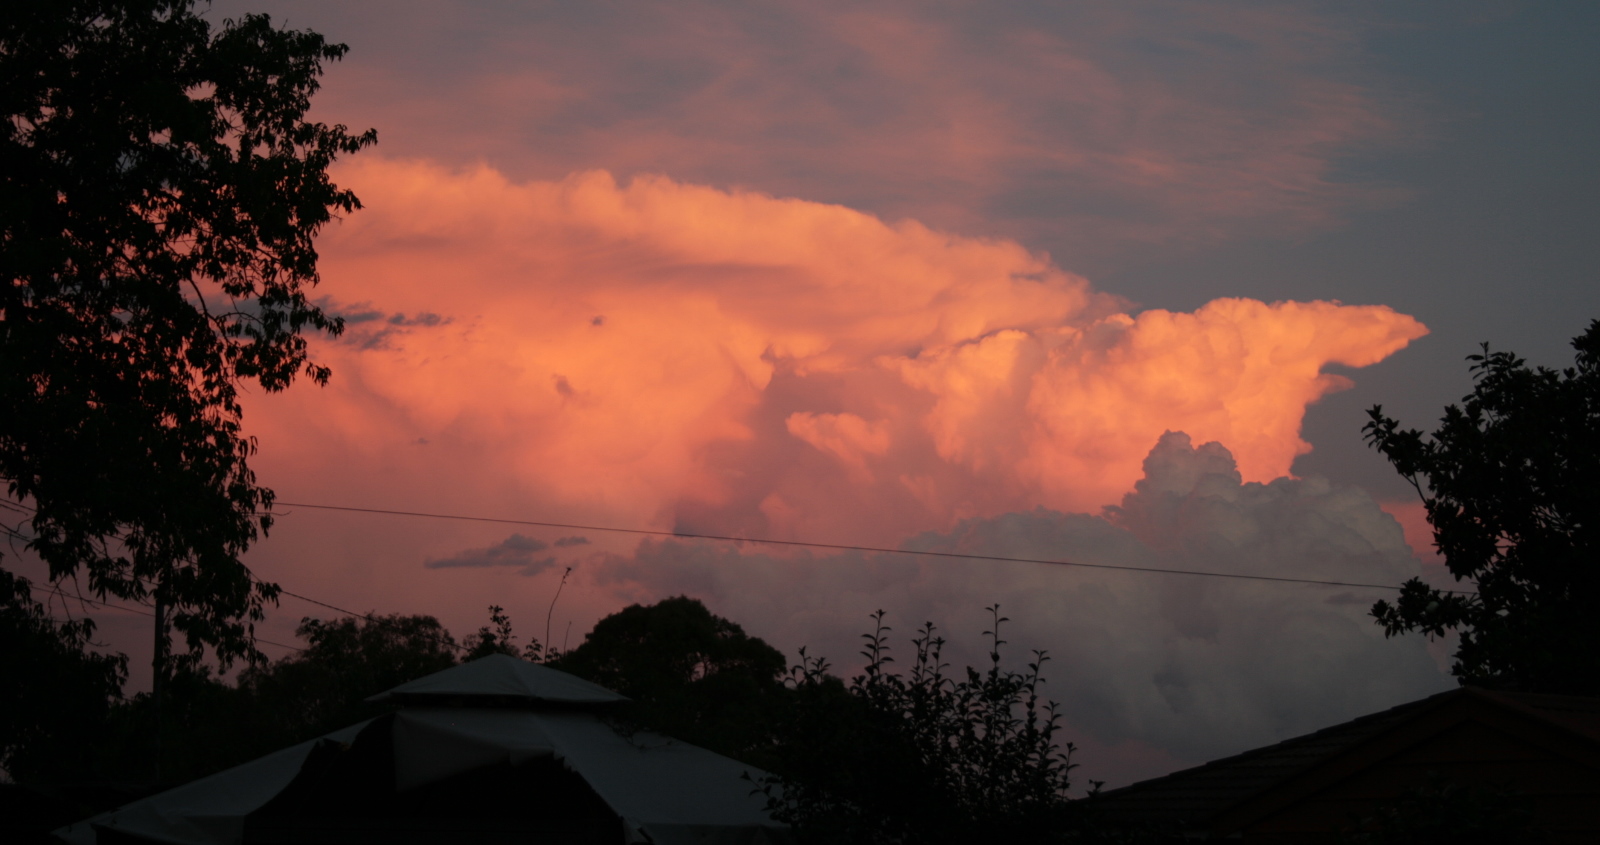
{"points": [[516, 550], [572, 541], [1186, 668], [354, 313], [423, 318], [367, 327], [538, 566], [1245, 126]]}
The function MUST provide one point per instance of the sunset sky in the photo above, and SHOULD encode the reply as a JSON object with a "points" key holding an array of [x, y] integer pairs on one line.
{"points": [[1109, 282]]}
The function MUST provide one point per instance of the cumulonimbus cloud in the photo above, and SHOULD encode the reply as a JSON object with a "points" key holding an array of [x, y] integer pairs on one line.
{"points": [[654, 354], [671, 354]]}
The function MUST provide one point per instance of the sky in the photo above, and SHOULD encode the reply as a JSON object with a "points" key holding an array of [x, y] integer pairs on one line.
{"points": [[1111, 283]]}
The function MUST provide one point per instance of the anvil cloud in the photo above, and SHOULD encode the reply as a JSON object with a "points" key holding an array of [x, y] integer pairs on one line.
{"points": [[666, 354], [655, 354]]}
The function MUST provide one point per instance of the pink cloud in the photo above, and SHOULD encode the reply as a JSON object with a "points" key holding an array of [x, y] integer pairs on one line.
{"points": [[1413, 518], [661, 353]]}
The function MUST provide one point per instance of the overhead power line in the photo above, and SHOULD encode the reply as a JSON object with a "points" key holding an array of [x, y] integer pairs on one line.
{"points": [[376, 620], [846, 547], [126, 609], [17, 506]]}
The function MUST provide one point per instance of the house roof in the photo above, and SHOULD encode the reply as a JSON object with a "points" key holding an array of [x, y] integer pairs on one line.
{"points": [[503, 678], [1195, 797]]}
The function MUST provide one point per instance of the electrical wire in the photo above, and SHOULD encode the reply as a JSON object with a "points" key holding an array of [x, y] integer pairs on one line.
{"points": [[369, 618], [126, 609], [846, 547], [376, 620], [811, 545]]}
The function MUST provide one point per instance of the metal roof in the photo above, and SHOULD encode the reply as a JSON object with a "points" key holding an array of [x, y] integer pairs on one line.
{"points": [[503, 678]]}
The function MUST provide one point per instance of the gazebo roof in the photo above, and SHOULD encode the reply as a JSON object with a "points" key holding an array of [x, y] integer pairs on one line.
{"points": [[500, 677], [431, 770]]}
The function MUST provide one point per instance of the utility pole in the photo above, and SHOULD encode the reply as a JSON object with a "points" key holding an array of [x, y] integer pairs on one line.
{"points": [[158, 663]]}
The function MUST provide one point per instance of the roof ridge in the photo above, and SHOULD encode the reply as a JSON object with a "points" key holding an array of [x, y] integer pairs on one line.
{"points": [[501, 677], [1366, 720]]}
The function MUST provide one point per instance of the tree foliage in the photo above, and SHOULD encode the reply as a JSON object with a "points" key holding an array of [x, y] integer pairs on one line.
{"points": [[925, 757], [53, 691], [160, 187], [208, 724], [690, 674], [1510, 483], [497, 638], [325, 686]]}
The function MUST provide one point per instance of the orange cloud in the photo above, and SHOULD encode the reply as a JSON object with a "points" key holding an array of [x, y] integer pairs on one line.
{"points": [[1413, 518], [1237, 371], [661, 353], [847, 437]]}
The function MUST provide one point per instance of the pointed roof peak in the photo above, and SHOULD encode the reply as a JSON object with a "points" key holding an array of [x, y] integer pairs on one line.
{"points": [[502, 677]]}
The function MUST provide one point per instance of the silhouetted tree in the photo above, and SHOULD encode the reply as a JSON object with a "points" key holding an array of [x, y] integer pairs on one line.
{"points": [[496, 638], [210, 725], [160, 189], [922, 758], [690, 674], [325, 686], [1511, 481], [54, 695]]}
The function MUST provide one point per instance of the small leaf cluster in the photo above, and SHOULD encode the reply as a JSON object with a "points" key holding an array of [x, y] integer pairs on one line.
{"points": [[497, 638]]}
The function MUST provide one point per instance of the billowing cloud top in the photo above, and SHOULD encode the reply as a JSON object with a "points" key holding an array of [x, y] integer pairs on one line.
{"points": [[670, 354]]}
